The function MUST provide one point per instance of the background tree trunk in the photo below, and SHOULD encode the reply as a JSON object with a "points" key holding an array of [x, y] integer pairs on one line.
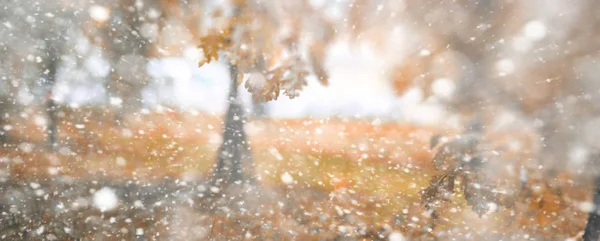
{"points": [[258, 108], [51, 108], [3, 120], [12, 71], [592, 230]]}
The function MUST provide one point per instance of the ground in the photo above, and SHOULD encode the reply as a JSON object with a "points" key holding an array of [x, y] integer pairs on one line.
{"points": [[318, 179]]}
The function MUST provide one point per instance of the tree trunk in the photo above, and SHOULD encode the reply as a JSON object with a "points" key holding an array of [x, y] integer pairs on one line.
{"points": [[52, 126], [4, 101], [12, 68], [258, 108], [51, 108], [3, 121], [6, 105], [592, 230], [234, 158]]}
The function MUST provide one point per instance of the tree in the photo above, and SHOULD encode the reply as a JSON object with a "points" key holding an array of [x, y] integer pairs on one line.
{"points": [[13, 47], [508, 58], [31, 43], [124, 30], [130, 33], [250, 39]]}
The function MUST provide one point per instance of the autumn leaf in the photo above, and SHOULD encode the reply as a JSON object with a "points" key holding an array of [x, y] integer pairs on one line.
{"points": [[258, 47], [212, 43], [295, 81]]}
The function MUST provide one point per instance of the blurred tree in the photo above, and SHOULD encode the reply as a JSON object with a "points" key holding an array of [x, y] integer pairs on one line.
{"points": [[259, 109], [126, 31], [50, 65], [33, 37], [266, 41], [9, 86], [502, 56], [10, 66], [130, 33]]}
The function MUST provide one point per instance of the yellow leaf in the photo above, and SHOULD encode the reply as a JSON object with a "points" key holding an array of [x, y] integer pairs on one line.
{"points": [[212, 43]]}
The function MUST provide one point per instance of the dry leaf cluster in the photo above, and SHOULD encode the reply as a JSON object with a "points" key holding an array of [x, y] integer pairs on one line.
{"points": [[270, 45]]}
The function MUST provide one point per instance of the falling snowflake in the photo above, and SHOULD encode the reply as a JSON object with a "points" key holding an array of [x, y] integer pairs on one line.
{"points": [[105, 199]]}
